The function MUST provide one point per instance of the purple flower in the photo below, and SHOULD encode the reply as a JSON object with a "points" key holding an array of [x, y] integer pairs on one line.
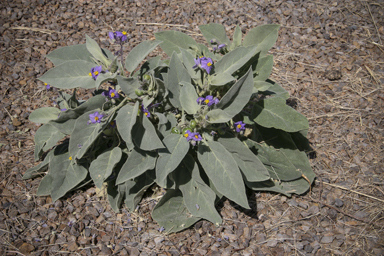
{"points": [[240, 126], [204, 63], [200, 100], [95, 71], [161, 229], [112, 124], [221, 46], [145, 111], [63, 109], [118, 36], [188, 135], [112, 93], [209, 100], [196, 136], [95, 117], [47, 86]]}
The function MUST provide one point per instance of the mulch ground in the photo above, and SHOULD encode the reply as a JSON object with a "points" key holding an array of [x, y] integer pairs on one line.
{"points": [[329, 56]]}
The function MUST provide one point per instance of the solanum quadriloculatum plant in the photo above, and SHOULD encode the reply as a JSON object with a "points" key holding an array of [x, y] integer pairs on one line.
{"points": [[204, 124]]}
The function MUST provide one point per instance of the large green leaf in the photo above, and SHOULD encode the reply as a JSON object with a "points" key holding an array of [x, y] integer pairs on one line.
{"points": [[138, 162], [198, 196], [263, 36], [222, 169], [65, 175], [68, 53], [44, 115], [115, 195], [104, 77], [274, 112], [237, 36], [260, 86], [171, 213], [70, 74], [234, 60], [214, 31], [46, 137], [176, 74], [169, 158], [221, 79], [125, 120], [138, 54], [45, 186], [276, 90], [251, 167], [84, 134], [144, 135], [96, 51], [101, 168], [40, 168], [234, 100], [188, 98], [263, 68], [129, 85], [189, 62], [135, 189], [172, 40]]}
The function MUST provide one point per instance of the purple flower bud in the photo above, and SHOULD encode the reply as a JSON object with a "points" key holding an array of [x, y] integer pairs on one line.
{"points": [[221, 46], [161, 229]]}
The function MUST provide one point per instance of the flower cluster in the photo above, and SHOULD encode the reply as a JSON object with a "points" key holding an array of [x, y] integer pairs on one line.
{"points": [[204, 63], [95, 117], [95, 71], [111, 93], [209, 100], [118, 36], [192, 136]]}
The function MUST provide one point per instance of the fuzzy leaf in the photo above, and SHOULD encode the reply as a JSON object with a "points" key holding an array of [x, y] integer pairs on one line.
{"points": [[273, 112], [234, 60], [188, 97], [129, 85], [222, 169], [104, 77], [68, 53], [70, 74], [189, 62], [138, 162], [135, 189], [214, 31], [237, 36], [263, 68], [44, 115], [96, 51], [263, 36], [169, 158], [65, 175], [40, 168], [172, 40], [115, 195], [125, 120], [101, 168], [221, 79], [46, 137], [171, 213], [260, 86], [138, 54], [144, 135], [45, 186]]}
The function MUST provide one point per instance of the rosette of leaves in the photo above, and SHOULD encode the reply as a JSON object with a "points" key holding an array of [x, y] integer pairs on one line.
{"points": [[206, 123]]}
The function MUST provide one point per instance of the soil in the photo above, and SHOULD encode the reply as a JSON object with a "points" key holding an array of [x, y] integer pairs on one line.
{"points": [[329, 56]]}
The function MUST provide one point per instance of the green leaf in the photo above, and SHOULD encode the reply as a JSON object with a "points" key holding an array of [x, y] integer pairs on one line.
{"points": [[101, 168], [68, 53], [276, 90], [237, 36], [189, 62], [129, 85], [234, 100], [84, 135], [138, 54], [221, 79], [263, 68], [198, 196], [144, 135], [46, 137], [176, 74], [125, 120], [251, 167], [104, 77], [222, 169], [171, 213], [45, 186], [234, 60], [263, 36], [65, 175], [138, 162], [214, 31], [70, 74], [44, 115], [96, 51], [40, 168], [188, 97], [273, 112], [260, 86], [165, 129], [135, 189], [115, 195], [172, 40], [169, 158]]}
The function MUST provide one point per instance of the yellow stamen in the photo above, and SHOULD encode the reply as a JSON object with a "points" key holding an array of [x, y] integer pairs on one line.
{"points": [[112, 94], [201, 57], [90, 74], [124, 32], [96, 73], [186, 135], [206, 101], [70, 158], [45, 84], [196, 136], [209, 64], [239, 126], [96, 118], [146, 113]]}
